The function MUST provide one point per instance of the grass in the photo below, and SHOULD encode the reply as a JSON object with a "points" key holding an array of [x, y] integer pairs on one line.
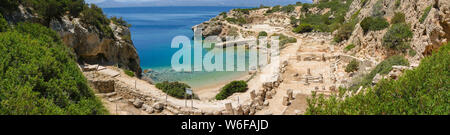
{"points": [[129, 73]]}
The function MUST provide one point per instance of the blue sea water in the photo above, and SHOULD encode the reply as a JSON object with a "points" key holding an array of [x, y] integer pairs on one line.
{"points": [[153, 29]]}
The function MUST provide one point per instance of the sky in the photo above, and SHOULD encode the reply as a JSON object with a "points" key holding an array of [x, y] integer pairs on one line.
{"points": [[242, 3]]}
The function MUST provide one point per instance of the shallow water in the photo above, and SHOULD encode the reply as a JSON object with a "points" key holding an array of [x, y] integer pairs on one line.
{"points": [[152, 31]]}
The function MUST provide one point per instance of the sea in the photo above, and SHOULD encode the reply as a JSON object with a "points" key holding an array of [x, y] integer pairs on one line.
{"points": [[152, 31]]}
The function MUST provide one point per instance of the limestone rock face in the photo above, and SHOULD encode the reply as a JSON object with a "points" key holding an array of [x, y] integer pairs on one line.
{"points": [[92, 47]]}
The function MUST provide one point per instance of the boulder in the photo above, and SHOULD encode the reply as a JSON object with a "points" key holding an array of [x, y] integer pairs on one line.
{"points": [[138, 103]]}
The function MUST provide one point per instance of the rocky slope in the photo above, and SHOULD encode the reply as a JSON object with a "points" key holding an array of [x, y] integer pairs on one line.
{"points": [[88, 42], [428, 35]]}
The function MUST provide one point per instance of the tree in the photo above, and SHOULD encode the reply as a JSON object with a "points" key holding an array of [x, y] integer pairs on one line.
{"points": [[397, 37], [232, 87], [3, 24]]}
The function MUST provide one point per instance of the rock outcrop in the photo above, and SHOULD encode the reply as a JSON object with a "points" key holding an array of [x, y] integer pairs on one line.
{"points": [[90, 44], [429, 35]]}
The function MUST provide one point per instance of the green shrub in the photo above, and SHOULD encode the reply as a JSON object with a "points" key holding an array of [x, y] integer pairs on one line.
{"points": [[421, 91], [39, 76], [425, 14], [349, 47], [352, 66], [7, 6], [120, 21], [129, 73], [262, 33], [374, 24], [274, 9], [377, 9], [223, 14], [175, 89], [382, 68], [305, 7], [303, 28], [283, 40], [397, 3], [232, 87], [344, 32], [3, 24], [288, 8], [398, 18], [412, 52], [242, 10], [397, 37]]}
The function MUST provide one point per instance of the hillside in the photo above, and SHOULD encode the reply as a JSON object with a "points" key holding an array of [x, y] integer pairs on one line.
{"points": [[42, 44], [371, 41]]}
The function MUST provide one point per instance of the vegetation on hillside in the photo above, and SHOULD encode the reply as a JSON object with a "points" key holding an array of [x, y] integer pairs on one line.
{"points": [[374, 24], [382, 68], [397, 37], [175, 89], [349, 47], [352, 66], [398, 18], [40, 76], [230, 88], [425, 14], [421, 91]]}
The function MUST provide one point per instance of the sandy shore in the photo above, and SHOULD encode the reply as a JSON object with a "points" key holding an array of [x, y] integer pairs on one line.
{"points": [[209, 92]]}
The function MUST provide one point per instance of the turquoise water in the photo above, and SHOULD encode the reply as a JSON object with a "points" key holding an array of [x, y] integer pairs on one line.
{"points": [[152, 31]]}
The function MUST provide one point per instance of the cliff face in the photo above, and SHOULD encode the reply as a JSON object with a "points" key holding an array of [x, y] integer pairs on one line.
{"points": [[89, 43]]}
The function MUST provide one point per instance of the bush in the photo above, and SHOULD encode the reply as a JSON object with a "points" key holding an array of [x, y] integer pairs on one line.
{"points": [[421, 91], [352, 66], [239, 21], [3, 24], [397, 3], [288, 8], [262, 33], [283, 40], [374, 24], [344, 32], [120, 21], [303, 28], [349, 47], [94, 16], [40, 77], [376, 9], [398, 18], [175, 89], [397, 37], [129, 73], [232, 87], [425, 14], [382, 68], [274, 9], [7, 6]]}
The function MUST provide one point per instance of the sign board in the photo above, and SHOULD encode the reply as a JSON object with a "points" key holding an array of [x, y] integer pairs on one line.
{"points": [[188, 91]]}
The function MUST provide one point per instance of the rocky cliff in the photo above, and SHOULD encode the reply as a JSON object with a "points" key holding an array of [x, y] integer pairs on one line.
{"points": [[90, 44], [429, 35]]}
